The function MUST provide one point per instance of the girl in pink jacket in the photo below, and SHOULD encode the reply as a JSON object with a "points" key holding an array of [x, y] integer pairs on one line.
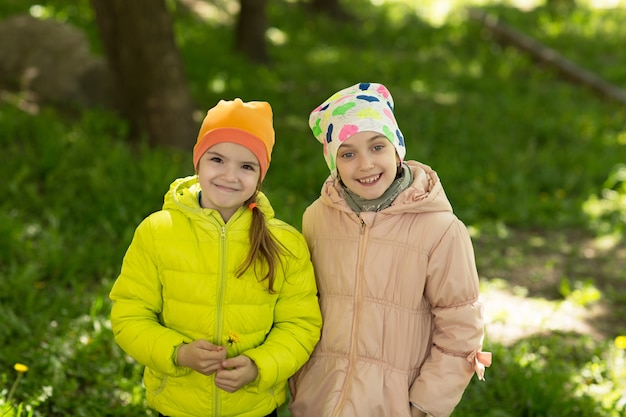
{"points": [[398, 286]]}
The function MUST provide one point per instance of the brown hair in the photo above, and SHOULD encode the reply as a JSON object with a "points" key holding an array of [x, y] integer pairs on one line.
{"points": [[263, 244]]}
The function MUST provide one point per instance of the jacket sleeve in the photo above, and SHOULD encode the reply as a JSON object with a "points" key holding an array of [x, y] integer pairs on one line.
{"points": [[452, 289], [297, 322], [137, 303]]}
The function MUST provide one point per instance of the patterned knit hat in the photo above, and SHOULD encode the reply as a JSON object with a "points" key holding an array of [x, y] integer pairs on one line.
{"points": [[359, 108], [245, 123]]}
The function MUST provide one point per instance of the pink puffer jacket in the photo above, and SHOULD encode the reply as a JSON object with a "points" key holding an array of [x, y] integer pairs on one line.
{"points": [[399, 296]]}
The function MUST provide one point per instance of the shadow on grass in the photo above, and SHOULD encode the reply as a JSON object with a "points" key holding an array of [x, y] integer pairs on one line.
{"points": [[567, 271]]}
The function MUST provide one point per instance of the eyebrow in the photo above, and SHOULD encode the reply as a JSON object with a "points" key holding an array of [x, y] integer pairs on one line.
{"points": [[255, 163], [370, 140]]}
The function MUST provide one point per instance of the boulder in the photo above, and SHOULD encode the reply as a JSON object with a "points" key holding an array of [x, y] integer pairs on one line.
{"points": [[53, 62]]}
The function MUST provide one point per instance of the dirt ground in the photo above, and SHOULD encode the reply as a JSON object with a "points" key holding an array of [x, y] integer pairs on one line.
{"points": [[535, 281]]}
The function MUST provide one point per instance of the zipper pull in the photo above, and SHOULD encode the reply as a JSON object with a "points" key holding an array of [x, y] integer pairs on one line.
{"points": [[362, 224]]}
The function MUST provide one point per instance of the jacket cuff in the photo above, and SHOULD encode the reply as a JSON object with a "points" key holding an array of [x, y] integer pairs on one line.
{"points": [[266, 365]]}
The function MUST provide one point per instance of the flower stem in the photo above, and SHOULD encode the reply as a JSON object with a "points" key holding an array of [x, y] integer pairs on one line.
{"points": [[13, 387]]}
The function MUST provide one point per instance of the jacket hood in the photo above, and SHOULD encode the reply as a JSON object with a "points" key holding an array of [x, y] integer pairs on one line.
{"points": [[183, 196], [425, 194]]}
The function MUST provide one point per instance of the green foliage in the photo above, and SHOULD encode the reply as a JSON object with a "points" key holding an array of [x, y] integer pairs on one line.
{"points": [[73, 192], [607, 211], [515, 146], [549, 375], [580, 293]]}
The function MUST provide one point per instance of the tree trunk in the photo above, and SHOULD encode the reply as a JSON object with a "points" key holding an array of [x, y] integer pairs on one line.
{"points": [[250, 31], [150, 85], [568, 69]]}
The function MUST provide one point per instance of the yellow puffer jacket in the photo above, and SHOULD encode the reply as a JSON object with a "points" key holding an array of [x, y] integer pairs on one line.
{"points": [[178, 284]]}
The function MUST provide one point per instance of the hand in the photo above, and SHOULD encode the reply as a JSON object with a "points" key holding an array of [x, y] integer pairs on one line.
{"points": [[235, 373], [201, 356]]}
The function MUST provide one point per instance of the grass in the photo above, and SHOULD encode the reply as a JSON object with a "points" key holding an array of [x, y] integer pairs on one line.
{"points": [[532, 163]]}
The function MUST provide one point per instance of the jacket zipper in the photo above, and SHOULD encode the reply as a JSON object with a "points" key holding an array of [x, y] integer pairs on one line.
{"points": [[357, 301], [219, 305]]}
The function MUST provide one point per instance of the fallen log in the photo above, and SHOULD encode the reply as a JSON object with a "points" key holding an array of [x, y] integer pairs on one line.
{"points": [[546, 55]]}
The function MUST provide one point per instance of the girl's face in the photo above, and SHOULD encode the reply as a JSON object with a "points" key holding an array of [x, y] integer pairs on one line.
{"points": [[367, 164], [228, 174]]}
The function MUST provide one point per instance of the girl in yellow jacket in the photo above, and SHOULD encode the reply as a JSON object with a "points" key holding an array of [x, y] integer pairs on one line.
{"points": [[398, 287], [216, 297]]}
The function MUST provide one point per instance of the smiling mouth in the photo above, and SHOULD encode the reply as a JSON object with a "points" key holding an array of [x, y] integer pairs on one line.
{"points": [[225, 188], [370, 180]]}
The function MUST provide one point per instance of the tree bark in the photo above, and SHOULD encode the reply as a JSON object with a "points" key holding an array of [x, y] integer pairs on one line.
{"points": [[568, 69], [250, 30], [150, 84]]}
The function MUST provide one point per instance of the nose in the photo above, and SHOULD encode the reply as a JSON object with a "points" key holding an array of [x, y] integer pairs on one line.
{"points": [[365, 162], [229, 172]]}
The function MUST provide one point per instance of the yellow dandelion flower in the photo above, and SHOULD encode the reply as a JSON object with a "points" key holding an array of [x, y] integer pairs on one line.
{"points": [[620, 342], [20, 367], [233, 338]]}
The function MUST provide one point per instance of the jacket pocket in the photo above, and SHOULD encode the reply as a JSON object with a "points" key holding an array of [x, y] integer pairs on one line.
{"points": [[155, 382]]}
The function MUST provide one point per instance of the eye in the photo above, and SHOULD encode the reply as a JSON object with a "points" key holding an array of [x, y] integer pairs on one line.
{"points": [[215, 159], [248, 167], [347, 155], [378, 147]]}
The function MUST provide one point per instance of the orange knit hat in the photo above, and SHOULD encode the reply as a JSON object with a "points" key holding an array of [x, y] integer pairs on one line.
{"points": [[245, 123]]}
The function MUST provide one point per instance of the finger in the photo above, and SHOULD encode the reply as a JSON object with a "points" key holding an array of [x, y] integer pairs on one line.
{"points": [[227, 375], [231, 379], [234, 363], [210, 369], [227, 380], [226, 387], [206, 345], [211, 356]]}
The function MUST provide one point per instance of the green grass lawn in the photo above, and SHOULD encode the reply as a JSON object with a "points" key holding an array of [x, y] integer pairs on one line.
{"points": [[532, 163]]}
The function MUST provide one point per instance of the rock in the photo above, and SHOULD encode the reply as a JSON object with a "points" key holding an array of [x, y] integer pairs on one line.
{"points": [[53, 61]]}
